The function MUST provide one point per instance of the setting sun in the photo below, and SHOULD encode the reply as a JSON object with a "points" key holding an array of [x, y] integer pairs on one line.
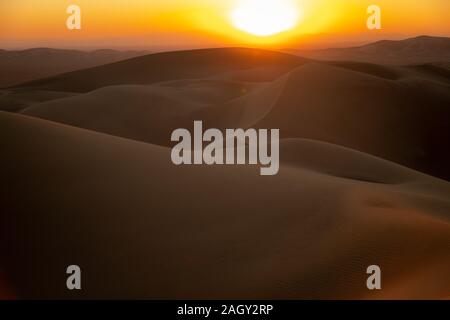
{"points": [[172, 24], [265, 17]]}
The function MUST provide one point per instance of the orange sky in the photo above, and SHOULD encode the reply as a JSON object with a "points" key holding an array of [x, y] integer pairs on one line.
{"points": [[199, 23]]}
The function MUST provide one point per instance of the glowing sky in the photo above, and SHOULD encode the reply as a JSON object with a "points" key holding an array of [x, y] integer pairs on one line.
{"points": [[193, 23]]}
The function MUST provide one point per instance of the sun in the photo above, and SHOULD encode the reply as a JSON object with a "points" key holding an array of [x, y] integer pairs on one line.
{"points": [[265, 17]]}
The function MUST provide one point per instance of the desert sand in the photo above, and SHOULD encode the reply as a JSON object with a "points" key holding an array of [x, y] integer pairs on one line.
{"points": [[362, 180]]}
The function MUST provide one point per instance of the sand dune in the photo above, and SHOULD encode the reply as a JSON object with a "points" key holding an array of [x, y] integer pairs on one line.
{"points": [[88, 180], [16, 100], [151, 113], [418, 50], [282, 240], [18, 66], [392, 112], [169, 66], [400, 120]]}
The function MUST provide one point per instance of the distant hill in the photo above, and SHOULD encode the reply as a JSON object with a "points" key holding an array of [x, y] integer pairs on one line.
{"points": [[419, 50], [25, 65]]}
